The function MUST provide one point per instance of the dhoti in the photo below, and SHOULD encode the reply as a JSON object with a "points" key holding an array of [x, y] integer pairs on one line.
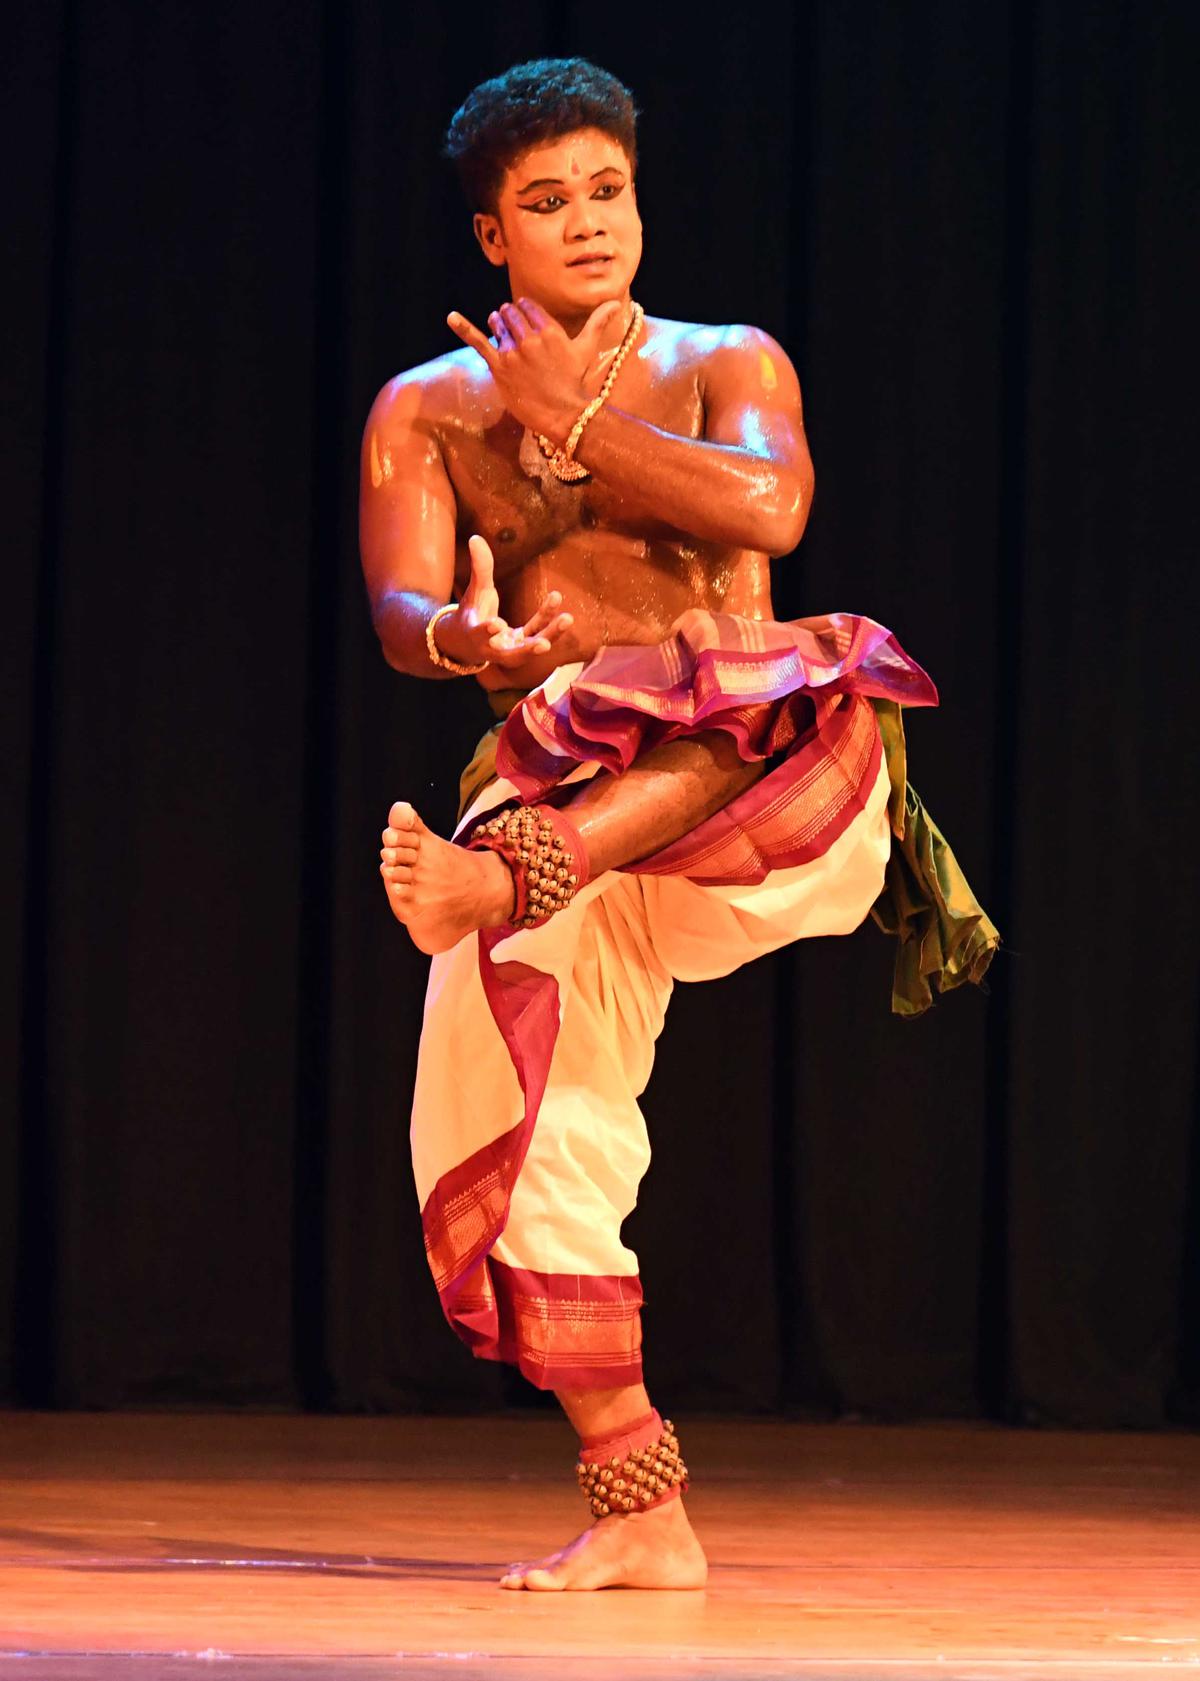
{"points": [[528, 1141]]}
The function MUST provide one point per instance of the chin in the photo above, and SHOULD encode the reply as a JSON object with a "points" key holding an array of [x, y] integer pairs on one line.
{"points": [[595, 288]]}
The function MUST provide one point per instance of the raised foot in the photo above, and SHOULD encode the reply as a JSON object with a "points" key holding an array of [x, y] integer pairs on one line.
{"points": [[655, 1549], [440, 891]]}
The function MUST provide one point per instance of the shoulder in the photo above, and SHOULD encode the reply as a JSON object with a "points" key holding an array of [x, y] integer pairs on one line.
{"points": [[736, 352], [442, 390]]}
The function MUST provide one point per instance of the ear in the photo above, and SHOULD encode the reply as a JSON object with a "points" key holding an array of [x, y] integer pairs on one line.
{"points": [[489, 231]]}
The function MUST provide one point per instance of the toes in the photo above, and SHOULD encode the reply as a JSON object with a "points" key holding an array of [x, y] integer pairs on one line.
{"points": [[398, 854], [396, 872], [541, 1581], [402, 816]]}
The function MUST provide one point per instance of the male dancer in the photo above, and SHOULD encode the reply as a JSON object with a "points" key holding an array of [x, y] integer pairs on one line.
{"points": [[580, 511]]}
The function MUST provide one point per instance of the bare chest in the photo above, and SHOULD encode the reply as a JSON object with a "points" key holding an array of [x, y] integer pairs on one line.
{"points": [[505, 490]]}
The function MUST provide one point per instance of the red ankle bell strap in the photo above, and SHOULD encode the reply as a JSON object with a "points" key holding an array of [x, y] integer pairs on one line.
{"points": [[633, 1469], [545, 853]]}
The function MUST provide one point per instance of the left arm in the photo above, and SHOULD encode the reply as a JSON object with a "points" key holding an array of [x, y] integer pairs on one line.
{"points": [[747, 483]]}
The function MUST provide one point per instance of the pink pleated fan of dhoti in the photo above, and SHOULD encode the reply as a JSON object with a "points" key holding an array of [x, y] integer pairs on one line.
{"points": [[527, 1137]]}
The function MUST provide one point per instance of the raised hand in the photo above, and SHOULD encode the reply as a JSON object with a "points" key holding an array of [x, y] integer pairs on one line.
{"points": [[544, 376], [477, 632]]}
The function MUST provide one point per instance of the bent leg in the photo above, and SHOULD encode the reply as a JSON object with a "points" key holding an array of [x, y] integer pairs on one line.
{"points": [[441, 892], [664, 794]]}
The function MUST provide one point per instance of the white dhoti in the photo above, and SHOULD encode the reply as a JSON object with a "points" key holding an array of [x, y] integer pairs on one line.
{"points": [[553, 1289], [528, 1142]]}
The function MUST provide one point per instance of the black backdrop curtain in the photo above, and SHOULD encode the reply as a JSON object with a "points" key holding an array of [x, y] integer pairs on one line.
{"points": [[973, 227]]}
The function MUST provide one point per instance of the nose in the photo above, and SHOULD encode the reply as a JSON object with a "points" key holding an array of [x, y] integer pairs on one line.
{"points": [[583, 221]]}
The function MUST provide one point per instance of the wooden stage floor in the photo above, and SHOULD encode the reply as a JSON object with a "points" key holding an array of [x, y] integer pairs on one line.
{"points": [[135, 1547]]}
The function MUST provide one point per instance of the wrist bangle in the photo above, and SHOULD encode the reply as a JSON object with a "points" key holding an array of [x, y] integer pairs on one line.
{"points": [[435, 653]]}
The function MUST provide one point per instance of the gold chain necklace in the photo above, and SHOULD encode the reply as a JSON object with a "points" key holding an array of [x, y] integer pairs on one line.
{"points": [[562, 461]]}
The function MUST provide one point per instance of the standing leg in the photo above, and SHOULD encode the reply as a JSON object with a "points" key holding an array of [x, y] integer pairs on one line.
{"points": [[653, 1548], [443, 893], [559, 1293]]}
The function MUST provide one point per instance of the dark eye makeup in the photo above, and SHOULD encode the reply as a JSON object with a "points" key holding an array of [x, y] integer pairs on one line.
{"points": [[550, 202]]}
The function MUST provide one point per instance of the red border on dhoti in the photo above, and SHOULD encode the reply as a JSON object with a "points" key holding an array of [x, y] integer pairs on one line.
{"points": [[798, 690]]}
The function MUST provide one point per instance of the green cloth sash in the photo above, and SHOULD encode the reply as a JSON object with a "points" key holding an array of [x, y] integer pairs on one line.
{"points": [[481, 770], [945, 936]]}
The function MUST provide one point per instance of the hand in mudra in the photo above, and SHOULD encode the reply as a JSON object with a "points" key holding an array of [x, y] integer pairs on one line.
{"points": [[544, 376], [477, 632]]}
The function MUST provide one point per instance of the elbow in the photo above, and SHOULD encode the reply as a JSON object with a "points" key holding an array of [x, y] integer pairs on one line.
{"points": [[389, 627], [392, 654], [782, 534], [782, 515], [380, 627]]}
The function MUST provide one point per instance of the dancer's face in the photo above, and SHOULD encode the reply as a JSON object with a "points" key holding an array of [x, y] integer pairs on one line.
{"points": [[566, 225]]}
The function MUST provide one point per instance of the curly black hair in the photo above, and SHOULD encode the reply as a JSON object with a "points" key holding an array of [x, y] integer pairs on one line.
{"points": [[539, 100]]}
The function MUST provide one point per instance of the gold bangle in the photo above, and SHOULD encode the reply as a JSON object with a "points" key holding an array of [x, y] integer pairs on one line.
{"points": [[435, 653]]}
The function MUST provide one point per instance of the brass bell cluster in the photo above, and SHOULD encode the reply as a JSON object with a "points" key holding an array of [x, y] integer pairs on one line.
{"points": [[538, 856], [634, 1483]]}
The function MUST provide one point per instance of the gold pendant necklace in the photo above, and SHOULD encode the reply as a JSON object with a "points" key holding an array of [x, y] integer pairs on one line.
{"points": [[562, 460]]}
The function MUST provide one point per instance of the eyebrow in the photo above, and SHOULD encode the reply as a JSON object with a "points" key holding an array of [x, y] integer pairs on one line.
{"points": [[556, 181]]}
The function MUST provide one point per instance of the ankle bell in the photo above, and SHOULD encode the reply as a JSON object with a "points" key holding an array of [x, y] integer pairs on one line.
{"points": [[545, 854], [635, 1481]]}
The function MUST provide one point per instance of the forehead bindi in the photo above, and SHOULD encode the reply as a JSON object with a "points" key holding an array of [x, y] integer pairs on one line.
{"points": [[573, 159]]}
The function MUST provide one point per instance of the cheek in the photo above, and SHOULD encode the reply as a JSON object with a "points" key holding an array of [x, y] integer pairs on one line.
{"points": [[628, 228], [537, 242], [625, 214]]}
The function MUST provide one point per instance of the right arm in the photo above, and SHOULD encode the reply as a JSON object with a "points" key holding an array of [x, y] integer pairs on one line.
{"points": [[407, 525]]}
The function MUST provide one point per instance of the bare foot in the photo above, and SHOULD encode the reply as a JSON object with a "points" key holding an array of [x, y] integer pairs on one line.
{"points": [[437, 890], [655, 1549]]}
